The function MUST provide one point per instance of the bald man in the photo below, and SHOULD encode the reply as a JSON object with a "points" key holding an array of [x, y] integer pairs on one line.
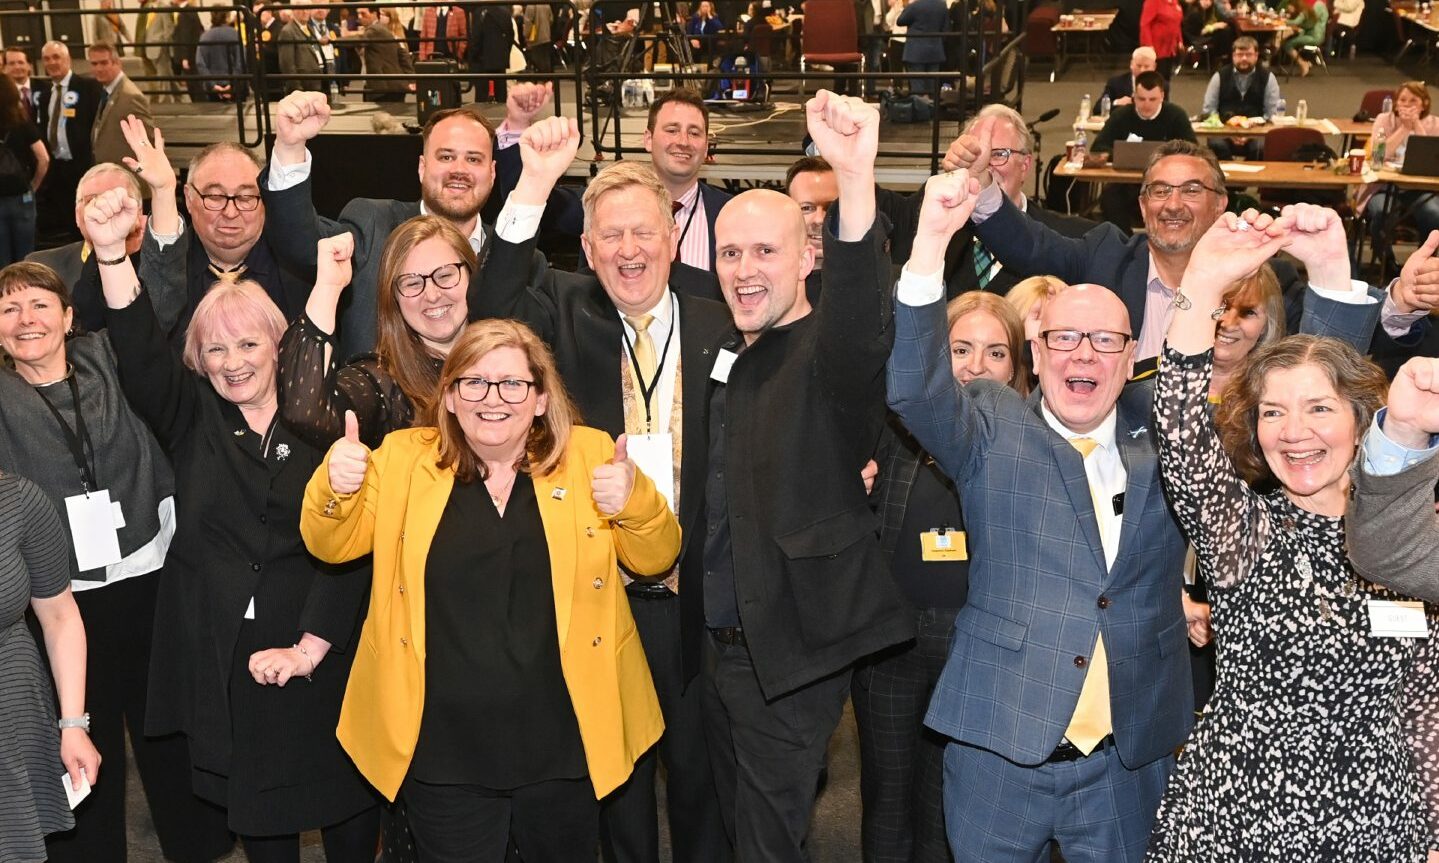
{"points": [[1067, 687], [795, 586]]}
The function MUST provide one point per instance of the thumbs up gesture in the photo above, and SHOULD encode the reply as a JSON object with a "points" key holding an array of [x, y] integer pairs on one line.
{"points": [[613, 481], [348, 459]]}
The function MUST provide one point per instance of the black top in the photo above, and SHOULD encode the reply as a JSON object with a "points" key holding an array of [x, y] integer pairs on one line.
{"points": [[19, 141], [933, 504], [1250, 102], [720, 603], [497, 709], [289, 289], [1170, 124]]}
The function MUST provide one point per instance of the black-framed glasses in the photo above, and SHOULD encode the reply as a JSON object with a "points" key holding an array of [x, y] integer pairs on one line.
{"points": [[215, 202], [512, 391], [1190, 191], [445, 276], [1103, 341], [999, 156]]}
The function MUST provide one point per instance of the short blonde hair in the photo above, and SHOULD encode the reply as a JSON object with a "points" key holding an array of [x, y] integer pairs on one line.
{"points": [[232, 309], [549, 433], [623, 175], [1024, 295]]}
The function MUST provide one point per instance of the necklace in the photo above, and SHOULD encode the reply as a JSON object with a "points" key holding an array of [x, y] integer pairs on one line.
{"points": [[498, 498]]}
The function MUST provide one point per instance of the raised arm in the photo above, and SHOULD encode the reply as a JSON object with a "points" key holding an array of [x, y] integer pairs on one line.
{"points": [[164, 259], [337, 518], [292, 225], [646, 535], [1334, 304]]}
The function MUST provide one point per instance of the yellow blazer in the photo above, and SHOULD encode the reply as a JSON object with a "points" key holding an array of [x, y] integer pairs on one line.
{"points": [[394, 516]]}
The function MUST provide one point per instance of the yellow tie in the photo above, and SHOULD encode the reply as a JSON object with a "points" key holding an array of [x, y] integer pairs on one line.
{"points": [[1092, 722], [643, 372]]}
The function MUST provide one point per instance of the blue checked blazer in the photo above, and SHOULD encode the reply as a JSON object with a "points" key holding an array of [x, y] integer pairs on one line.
{"points": [[1037, 567]]}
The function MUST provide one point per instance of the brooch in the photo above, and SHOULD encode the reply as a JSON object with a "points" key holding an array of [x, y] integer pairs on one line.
{"points": [[282, 451], [1142, 430]]}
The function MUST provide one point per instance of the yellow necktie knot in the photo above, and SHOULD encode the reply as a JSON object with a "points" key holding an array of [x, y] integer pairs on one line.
{"points": [[1085, 445]]}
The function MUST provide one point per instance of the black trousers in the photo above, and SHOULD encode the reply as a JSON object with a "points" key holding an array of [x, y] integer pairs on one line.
{"points": [[767, 755], [629, 821], [1224, 148], [551, 822], [55, 201], [901, 763], [118, 621], [351, 841]]}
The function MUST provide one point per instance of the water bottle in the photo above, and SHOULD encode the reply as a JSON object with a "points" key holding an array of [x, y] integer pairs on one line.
{"points": [[1081, 146], [1085, 106], [1388, 105], [1301, 112], [1376, 152], [1281, 108], [1104, 104]]}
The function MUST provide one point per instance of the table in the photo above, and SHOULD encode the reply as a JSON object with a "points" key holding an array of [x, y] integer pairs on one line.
{"points": [[1261, 27], [1087, 25], [1408, 14], [1276, 175]]}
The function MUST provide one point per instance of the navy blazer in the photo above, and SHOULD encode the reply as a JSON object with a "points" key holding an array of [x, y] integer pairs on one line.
{"points": [[1040, 592], [924, 16]]}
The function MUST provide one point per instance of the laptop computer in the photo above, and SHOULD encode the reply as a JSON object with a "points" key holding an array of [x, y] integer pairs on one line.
{"points": [[1421, 156], [1133, 155]]}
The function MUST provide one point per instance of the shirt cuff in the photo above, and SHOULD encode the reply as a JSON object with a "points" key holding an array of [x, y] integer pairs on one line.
{"points": [[507, 137], [284, 177], [1384, 457], [1396, 323], [163, 240], [917, 290], [990, 199], [1357, 295], [518, 222]]}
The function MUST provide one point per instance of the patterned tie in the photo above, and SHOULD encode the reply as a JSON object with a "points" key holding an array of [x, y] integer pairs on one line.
{"points": [[228, 276], [1092, 722], [52, 131], [643, 374], [29, 106], [983, 264]]}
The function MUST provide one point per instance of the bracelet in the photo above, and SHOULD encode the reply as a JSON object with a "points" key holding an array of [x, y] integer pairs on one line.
{"points": [[112, 263], [82, 721], [306, 653]]}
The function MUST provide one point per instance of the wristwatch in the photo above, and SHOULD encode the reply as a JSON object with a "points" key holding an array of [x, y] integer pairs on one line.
{"points": [[82, 721]]}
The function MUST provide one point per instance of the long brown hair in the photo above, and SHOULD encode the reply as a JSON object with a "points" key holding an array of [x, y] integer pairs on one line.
{"points": [[549, 433], [1002, 311], [11, 114], [402, 352], [1356, 380]]}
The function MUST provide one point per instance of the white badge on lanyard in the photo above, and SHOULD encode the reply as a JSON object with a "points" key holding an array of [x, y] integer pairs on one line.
{"points": [[723, 363], [93, 529], [654, 454], [1397, 619]]}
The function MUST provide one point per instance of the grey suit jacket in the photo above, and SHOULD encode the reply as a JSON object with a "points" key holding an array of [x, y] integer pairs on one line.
{"points": [[1392, 532], [1040, 592], [298, 55], [109, 141]]}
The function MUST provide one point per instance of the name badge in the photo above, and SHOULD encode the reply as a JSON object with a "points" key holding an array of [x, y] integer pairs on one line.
{"points": [[250, 609], [936, 545], [723, 363], [654, 455], [70, 113], [93, 529], [328, 51], [1390, 618], [72, 796]]}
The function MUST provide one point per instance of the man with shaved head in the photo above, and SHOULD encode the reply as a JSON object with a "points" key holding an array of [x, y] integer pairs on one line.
{"points": [[795, 586], [1068, 686]]}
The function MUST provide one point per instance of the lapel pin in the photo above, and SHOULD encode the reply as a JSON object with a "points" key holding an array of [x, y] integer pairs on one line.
{"points": [[558, 494], [1134, 435], [282, 451]]}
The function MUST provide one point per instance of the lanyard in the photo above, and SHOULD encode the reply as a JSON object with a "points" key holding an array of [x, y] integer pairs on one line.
{"points": [[679, 245], [77, 439], [647, 391]]}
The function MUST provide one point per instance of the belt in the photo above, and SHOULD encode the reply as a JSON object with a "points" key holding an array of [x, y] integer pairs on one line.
{"points": [[648, 590], [733, 635], [1067, 751]]}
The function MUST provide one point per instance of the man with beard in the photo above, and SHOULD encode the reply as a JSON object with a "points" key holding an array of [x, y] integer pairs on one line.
{"points": [[1242, 89], [457, 171]]}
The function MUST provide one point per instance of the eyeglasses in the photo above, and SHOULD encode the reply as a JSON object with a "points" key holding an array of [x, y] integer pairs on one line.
{"points": [[999, 156], [1103, 341], [216, 202], [445, 276], [1190, 191], [513, 391]]}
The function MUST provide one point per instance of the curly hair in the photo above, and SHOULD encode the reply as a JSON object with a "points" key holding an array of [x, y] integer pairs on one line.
{"points": [[1356, 380]]}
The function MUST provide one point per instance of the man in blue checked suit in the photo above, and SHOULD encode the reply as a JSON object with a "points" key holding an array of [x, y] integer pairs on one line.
{"points": [[1068, 686]]}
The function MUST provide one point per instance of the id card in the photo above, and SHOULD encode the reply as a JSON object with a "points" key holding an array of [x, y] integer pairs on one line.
{"points": [[72, 796], [654, 454], [723, 363], [935, 545], [1389, 618], [93, 529]]}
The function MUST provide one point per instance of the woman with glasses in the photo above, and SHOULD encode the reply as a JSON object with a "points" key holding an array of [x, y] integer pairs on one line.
{"points": [[497, 604], [253, 638], [424, 274], [1409, 116]]}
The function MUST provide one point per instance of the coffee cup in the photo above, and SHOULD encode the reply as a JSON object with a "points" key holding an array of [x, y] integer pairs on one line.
{"points": [[1356, 161]]}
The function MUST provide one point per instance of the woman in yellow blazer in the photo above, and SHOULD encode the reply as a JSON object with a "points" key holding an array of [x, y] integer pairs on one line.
{"points": [[499, 685]]}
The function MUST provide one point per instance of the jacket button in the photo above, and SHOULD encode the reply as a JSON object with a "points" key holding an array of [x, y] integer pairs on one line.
{"points": [[1080, 662], [255, 566], [405, 642], [599, 583], [589, 531], [402, 536], [263, 518], [402, 588], [1104, 602], [596, 642]]}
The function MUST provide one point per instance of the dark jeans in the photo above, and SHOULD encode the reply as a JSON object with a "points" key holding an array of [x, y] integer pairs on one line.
{"points": [[901, 761], [17, 228], [922, 85], [767, 754], [551, 822], [1252, 148]]}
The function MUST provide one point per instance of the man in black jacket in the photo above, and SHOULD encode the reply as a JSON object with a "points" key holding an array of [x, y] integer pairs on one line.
{"points": [[66, 105], [188, 30], [795, 586], [635, 353]]}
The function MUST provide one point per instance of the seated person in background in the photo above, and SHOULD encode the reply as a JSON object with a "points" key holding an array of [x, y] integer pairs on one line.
{"points": [[1243, 89], [1120, 88], [1410, 116], [1149, 118], [1308, 27], [1205, 28]]}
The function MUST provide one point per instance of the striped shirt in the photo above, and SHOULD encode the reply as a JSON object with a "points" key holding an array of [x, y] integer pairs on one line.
{"points": [[694, 229]]}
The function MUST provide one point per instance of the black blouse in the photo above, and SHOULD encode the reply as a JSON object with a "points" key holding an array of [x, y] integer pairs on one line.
{"points": [[497, 710]]}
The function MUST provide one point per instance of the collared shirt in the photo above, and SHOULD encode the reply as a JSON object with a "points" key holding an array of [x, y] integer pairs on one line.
{"points": [[57, 111], [1241, 82], [694, 228], [664, 328], [1384, 457], [1105, 471], [1158, 312]]}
